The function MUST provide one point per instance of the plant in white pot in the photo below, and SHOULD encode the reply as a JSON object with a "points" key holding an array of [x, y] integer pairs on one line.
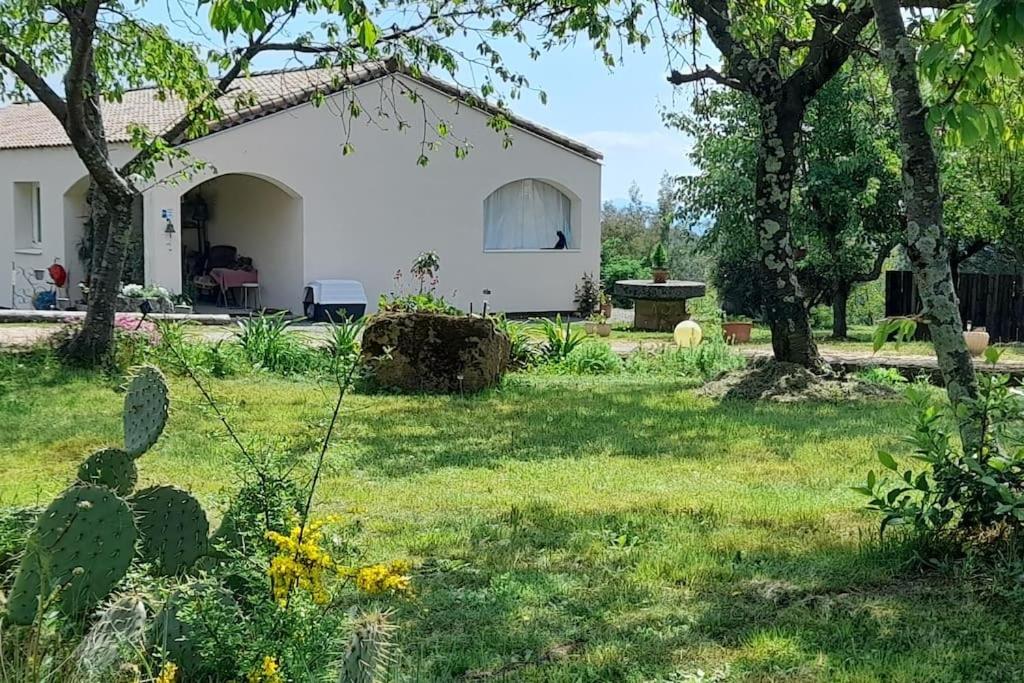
{"points": [[976, 340]]}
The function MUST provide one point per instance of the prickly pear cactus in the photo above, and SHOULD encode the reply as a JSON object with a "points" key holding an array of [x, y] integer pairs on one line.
{"points": [[112, 468], [145, 410], [119, 631], [81, 547], [172, 526], [369, 654]]}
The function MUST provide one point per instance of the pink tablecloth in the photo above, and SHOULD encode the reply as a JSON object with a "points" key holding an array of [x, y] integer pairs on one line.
{"points": [[227, 278]]}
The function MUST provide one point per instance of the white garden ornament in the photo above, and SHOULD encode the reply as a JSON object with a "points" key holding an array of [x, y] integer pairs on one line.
{"points": [[687, 334]]}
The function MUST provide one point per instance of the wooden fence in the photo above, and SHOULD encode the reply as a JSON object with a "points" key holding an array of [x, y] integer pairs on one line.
{"points": [[995, 302]]}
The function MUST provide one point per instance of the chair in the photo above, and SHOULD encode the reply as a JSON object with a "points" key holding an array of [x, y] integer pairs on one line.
{"points": [[257, 299]]}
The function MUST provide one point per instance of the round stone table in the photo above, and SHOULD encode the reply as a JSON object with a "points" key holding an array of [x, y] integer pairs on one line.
{"points": [[659, 307]]}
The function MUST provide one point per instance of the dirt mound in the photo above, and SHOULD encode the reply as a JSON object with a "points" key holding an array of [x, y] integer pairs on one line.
{"points": [[767, 380]]}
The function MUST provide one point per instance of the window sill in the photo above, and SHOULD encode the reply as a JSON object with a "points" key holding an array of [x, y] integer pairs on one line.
{"points": [[531, 251], [29, 251]]}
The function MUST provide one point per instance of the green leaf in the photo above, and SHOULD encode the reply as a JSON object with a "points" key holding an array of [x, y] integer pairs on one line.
{"points": [[367, 34], [887, 460]]}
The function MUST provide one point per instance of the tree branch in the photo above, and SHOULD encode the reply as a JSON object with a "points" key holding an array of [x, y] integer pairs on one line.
{"points": [[36, 83], [679, 78]]}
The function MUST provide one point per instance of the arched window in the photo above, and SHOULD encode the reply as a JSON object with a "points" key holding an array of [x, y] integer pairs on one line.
{"points": [[527, 214]]}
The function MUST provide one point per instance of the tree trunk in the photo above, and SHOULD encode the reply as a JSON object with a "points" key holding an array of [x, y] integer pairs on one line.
{"points": [[926, 239], [840, 302], [94, 342], [792, 340]]}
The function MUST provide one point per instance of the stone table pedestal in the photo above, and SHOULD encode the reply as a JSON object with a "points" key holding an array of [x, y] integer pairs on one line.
{"points": [[659, 306]]}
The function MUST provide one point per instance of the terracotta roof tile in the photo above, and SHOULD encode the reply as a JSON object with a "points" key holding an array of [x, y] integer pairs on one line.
{"points": [[29, 125]]}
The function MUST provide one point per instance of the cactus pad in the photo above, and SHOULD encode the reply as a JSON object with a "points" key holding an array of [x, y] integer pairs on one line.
{"points": [[111, 468], [81, 547], [145, 410], [173, 528]]}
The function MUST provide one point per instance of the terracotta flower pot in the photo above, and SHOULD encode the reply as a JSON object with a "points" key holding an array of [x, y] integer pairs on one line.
{"points": [[660, 276], [737, 332], [588, 327], [977, 341], [603, 329], [606, 309]]}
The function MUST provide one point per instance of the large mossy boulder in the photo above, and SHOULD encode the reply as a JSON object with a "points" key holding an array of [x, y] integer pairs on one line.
{"points": [[435, 353]]}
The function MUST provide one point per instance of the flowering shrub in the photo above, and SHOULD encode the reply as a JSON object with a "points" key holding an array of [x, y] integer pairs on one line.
{"points": [[376, 579], [300, 563], [425, 298], [269, 671], [135, 325]]}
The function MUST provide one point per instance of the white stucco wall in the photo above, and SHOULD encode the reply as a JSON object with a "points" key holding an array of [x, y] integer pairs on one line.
{"points": [[365, 215], [61, 177]]}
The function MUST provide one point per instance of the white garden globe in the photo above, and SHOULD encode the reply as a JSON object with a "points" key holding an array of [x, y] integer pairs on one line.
{"points": [[687, 334]]}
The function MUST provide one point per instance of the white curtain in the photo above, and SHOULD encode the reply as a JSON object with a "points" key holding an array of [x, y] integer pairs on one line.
{"points": [[526, 214]]}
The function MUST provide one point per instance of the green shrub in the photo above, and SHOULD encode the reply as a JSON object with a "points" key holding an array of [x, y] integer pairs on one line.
{"points": [[560, 338], [867, 303], [588, 295], [268, 343], [977, 488], [591, 358], [427, 302], [708, 360], [525, 350], [343, 339], [886, 377]]}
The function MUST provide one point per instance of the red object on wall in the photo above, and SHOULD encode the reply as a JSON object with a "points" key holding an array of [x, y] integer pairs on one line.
{"points": [[58, 274]]}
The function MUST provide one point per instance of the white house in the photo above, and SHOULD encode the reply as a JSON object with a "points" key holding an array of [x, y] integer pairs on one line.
{"points": [[278, 188]]}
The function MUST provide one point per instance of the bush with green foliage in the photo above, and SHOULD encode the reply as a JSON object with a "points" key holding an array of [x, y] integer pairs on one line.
{"points": [[709, 359], [588, 295], [525, 350], [589, 358], [886, 377], [267, 343], [974, 489], [659, 257], [560, 338]]}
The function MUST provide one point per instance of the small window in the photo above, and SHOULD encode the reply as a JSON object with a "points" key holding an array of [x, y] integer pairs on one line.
{"points": [[28, 215], [528, 214]]}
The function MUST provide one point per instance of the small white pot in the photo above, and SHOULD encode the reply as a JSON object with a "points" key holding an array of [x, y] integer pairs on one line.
{"points": [[977, 341]]}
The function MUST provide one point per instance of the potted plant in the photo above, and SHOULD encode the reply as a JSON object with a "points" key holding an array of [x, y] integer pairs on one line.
{"points": [[598, 324], [659, 264], [976, 339], [605, 304], [182, 304], [736, 329]]}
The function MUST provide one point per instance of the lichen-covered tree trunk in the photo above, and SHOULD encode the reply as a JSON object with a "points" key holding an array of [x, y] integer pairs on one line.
{"points": [[926, 240], [94, 342], [112, 206], [792, 340], [840, 304]]}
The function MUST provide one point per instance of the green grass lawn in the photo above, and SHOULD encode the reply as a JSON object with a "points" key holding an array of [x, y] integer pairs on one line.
{"points": [[575, 529]]}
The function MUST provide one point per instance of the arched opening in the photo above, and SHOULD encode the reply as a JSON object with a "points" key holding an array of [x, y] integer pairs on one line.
{"points": [[527, 215], [77, 247], [239, 229]]}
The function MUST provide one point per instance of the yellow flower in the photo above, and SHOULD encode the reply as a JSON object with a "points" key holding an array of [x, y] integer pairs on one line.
{"points": [[168, 673], [268, 672], [301, 562], [383, 578]]}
